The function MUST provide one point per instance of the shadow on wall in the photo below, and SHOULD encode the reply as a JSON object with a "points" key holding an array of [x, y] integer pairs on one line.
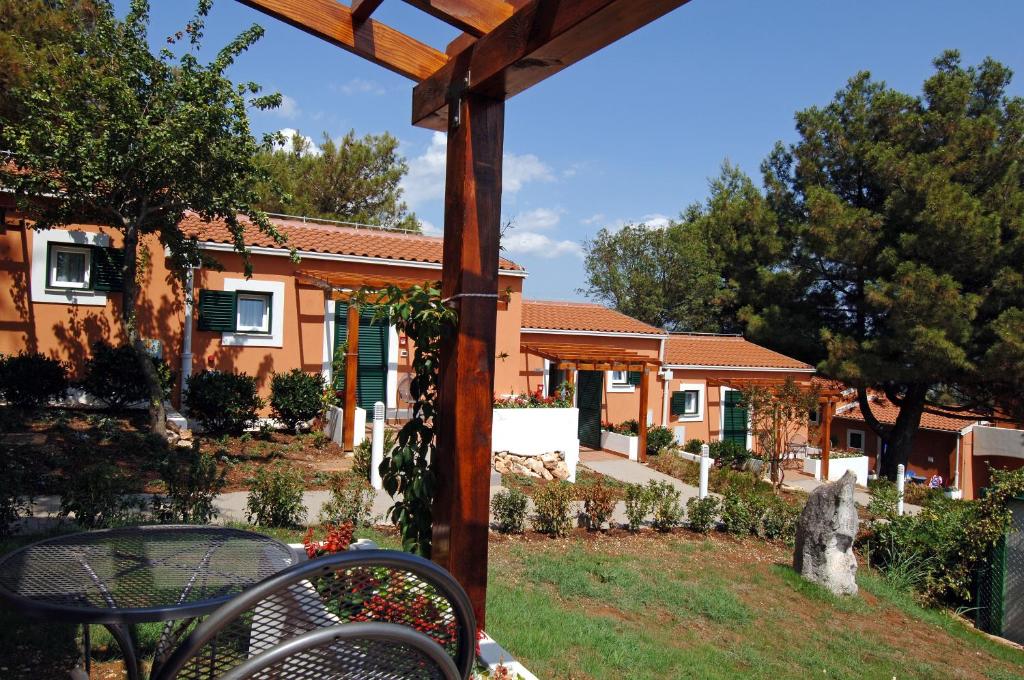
{"points": [[14, 261]]}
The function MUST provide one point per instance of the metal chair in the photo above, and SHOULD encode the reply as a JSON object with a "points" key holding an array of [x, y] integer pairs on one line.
{"points": [[385, 651], [381, 586]]}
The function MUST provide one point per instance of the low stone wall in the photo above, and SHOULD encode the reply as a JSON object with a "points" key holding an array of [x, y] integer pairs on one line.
{"points": [[548, 466]]}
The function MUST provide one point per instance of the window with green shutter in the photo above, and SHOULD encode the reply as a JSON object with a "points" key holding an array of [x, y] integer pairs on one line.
{"points": [[218, 310], [371, 380], [107, 269], [634, 378], [685, 403]]}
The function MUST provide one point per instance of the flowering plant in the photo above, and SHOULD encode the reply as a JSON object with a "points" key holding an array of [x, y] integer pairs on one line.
{"points": [[537, 399], [338, 539]]}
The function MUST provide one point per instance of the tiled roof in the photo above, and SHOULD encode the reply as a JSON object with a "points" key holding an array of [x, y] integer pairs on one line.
{"points": [[332, 239], [684, 349], [581, 316], [886, 412]]}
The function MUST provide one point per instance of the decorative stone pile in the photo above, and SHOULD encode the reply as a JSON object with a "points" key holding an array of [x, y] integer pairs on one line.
{"points": [[548, 466], [177, 436]]}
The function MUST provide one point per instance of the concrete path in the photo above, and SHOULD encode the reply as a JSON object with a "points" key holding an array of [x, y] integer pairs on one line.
{"points": [[799, 481], [631, 472]]}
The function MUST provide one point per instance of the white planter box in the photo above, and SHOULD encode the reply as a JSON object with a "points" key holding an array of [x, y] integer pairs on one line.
{"points": [[536, 431], [620, 443], [336, 421], [837, 467], [955, 494]]}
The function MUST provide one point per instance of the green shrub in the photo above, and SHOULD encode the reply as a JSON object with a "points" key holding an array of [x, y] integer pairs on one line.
{"points": [[100, 495], [351, 500], [509, 508], [297, 397], [737, 514], [884, 498], [729, 454], [638, 505], [693, 446], [658, 439], [31, 380], [666, 505], [223, 403], [774, 518], [275, 497], [553, 507], [18, 484], [113, 376], [362, 454], [192, 481], [702, 513], [598, 503]]}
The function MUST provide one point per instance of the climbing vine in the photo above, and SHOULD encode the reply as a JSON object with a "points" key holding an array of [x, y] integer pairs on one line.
{"points": [[419, 313]]}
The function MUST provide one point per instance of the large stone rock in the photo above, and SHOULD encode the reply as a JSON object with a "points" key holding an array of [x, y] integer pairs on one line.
{"points": [[824, 537]]}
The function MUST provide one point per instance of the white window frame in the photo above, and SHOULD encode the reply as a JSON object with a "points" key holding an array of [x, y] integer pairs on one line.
{"points": [[41, 290], [85, 252], [863, 440], [623, 386], [699, 388], [268, 306], [275, 338]]}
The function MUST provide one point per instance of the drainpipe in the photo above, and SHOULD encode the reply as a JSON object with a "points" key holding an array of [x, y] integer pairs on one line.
{"points": [[186, 336], [956, 471], [665, 383]]}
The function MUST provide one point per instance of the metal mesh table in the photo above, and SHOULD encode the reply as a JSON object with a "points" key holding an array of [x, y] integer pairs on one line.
{"points": [[119, 577]]}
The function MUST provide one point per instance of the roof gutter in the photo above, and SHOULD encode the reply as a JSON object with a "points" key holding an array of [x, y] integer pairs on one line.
{"points": [[759, 369], [596, 334]]}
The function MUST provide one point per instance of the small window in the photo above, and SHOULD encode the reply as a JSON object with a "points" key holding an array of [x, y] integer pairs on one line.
{"points": [[855, 440], [691, 402], [69, 267], [253, 313], [620, 377], [812, 416]]}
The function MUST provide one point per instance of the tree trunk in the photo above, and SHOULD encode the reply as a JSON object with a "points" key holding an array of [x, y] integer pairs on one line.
{"points": [[157, 414], [900, 437]]}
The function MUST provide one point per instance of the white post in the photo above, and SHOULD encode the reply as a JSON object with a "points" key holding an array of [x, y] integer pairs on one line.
{"points": [[186, 332], [900, 481], [705, 466], [377, 446]]}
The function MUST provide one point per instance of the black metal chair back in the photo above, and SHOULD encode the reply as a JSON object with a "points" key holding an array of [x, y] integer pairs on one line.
{"points": [[364, 586], [384, 651]]}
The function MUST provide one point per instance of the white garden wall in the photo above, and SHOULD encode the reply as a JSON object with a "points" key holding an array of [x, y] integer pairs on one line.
{"points": [[536, 431], [335, 422], [625, 444], [837, 467]]}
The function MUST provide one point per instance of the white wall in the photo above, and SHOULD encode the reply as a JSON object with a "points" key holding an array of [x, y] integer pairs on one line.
{"points": [[536, 431]]}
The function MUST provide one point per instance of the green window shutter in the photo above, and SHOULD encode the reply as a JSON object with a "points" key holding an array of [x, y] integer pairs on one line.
{"points": [[678, 405], [340, 337], [371, 381], [106, 269], [634, 377], [218, 310], [735, 418]]}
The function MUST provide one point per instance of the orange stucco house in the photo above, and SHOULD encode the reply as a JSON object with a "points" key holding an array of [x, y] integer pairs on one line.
{"points": [[59, 294]]}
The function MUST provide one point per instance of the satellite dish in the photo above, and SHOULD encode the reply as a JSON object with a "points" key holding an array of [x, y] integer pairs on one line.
{"points": [[405, 389]]}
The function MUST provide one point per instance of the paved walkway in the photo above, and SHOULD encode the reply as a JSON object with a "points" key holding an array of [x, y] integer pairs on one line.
{"points": [[801, 481], [631, 472]]}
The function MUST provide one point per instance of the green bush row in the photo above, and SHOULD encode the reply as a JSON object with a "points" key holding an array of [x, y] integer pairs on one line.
{"points": [[229, 402]]}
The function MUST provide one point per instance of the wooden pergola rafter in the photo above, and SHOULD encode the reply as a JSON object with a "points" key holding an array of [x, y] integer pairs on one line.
{"points": [[594, 357], [828, 397], [507, 46]]}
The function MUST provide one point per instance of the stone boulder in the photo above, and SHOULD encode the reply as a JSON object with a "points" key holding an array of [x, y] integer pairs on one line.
{"points": [[824, 537]]}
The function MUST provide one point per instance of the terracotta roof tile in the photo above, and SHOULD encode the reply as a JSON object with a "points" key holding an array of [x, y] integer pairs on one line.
{"points": [[332, 239], [886, 412], [581, 316], [684, 349]]}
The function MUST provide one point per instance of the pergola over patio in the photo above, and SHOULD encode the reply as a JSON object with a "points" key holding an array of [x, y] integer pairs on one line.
{"points": [[828, 396], [594, 357], [344, 286], [506, 48]]}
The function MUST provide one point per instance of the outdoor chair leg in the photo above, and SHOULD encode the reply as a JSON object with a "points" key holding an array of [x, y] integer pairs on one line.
{"points": [[125, 638], [87, 644]]}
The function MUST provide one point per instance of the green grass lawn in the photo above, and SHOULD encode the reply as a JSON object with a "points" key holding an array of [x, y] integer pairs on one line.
{"points": [[652, 606]]}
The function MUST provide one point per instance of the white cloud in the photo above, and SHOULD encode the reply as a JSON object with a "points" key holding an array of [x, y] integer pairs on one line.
{"points": [[593, 219], [429, 228], [539, 219], [655, 220], [288, 109], [311, 149], [532, 243], [425, 179], [360, 86]]}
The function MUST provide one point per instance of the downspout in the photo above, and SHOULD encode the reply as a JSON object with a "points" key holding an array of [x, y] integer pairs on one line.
{"points": [[956, 470], [665, 382], [186, 336]]}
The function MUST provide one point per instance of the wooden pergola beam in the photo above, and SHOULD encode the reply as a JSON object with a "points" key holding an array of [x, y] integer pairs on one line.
{"points": [[475, 17], [372, 40], [362, 9], [537, 41], [348, 423]]}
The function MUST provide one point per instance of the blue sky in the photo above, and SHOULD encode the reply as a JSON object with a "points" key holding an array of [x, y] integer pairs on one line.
{"points": [[634, 132]]}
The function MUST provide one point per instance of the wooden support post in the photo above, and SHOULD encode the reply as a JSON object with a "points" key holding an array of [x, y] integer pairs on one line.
{"points": [[641, 444], [826, 435], [462, 461], [348, 428]]}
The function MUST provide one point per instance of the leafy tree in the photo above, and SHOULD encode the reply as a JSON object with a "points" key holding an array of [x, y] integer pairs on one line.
{"points": [[130, 140], [777, 415], [665, 277], [355, 180]]}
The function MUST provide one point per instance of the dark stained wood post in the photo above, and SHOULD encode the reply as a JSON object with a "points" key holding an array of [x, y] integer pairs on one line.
{"points": [[472, 218], [826, 435], [641, 444], [348, 430]]}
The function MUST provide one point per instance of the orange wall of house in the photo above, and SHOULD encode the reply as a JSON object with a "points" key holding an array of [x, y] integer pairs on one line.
{"points": [[709, 428], [67, 331], [939, 447]]}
